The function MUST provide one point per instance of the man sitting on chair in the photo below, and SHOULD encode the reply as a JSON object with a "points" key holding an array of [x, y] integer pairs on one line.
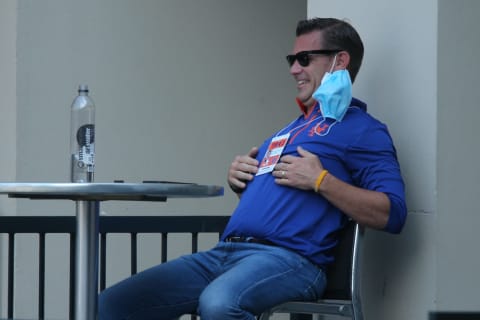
{"points": [[333, 163]]}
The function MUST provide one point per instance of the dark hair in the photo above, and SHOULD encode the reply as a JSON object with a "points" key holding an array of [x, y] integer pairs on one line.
{"points": [[336, 34]]}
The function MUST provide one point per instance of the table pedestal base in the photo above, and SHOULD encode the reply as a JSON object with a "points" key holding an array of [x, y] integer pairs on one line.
{"points": [[86, 252]]}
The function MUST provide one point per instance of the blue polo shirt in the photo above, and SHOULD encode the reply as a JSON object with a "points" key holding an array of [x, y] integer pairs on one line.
{"points": [[357, 150]]}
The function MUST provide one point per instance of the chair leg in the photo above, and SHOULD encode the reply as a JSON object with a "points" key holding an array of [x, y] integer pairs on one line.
{"points": [[357, 313], [265, 315]]}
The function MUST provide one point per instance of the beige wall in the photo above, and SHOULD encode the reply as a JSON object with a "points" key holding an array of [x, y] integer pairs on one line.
{"points": [[419, 77], [458, 260], [8, 83], [180, 86], [8, 117]]}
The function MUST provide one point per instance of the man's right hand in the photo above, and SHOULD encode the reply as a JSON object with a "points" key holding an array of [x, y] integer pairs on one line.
{"points": [[242, 170]]}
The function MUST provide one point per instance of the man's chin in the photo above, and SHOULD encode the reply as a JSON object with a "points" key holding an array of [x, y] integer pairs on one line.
{"points": [[306, 102]]}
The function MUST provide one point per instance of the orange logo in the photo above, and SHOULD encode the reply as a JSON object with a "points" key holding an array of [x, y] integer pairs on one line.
{"points": [[320, 129]]}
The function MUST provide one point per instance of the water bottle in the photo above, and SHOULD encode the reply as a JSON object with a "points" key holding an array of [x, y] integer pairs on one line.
{"points": [[82, 137]]}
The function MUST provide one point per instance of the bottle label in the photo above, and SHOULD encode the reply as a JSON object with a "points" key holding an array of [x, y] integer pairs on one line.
{"points": [[86, 143]]}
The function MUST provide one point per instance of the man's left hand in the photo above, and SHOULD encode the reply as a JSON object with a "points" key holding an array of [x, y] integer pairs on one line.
{"points": [[298, 172]]}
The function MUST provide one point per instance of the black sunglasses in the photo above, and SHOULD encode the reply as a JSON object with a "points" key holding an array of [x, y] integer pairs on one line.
{"points": [[303, 57]]}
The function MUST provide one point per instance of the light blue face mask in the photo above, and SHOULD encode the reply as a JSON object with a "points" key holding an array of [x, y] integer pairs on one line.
{"points": [[334, 93]]}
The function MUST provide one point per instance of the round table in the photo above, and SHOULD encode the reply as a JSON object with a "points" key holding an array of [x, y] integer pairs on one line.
{"points": [[88, 197]]}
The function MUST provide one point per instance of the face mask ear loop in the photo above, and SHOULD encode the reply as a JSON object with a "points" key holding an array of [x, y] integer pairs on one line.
{"points": [[331, 68], [328, 129], [333, 64]]}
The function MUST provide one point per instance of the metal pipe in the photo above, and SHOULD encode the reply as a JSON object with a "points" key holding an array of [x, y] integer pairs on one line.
{"points": [[86, 277]]}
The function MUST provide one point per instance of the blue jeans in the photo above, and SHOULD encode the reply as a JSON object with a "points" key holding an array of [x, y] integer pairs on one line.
{"points": [[230, 281]]}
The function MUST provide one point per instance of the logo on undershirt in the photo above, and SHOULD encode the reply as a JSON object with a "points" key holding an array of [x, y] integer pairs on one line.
{"points": [[322, 128]]}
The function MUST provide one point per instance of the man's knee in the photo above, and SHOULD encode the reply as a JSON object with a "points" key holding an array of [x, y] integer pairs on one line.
{"points": [[214, 305]]}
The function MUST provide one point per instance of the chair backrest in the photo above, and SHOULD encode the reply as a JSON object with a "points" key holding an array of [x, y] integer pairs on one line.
{"points": [[342, 295], [342, 274]]}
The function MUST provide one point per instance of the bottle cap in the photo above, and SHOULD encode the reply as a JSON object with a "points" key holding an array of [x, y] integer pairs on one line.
{"points": [[83, 88]]}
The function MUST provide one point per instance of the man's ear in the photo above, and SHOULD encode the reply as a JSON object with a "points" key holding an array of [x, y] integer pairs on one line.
{"points": [[343, 60]]}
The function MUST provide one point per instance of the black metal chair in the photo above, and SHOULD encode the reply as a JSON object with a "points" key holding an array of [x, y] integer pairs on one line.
{"points": [[342, 295]]}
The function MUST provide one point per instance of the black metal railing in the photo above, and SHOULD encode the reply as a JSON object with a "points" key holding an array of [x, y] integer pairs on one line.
{"points": [[10, 226]]}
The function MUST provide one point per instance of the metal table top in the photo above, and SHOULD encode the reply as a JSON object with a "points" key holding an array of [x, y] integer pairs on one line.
{"points": [[88, 196], [146, 191]]}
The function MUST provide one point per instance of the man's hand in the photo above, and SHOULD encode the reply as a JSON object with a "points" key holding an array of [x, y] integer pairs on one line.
{"points": [[242, 169], [298, 172], [369, 208]]}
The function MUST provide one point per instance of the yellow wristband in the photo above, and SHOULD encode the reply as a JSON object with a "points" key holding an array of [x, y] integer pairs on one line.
{"points": [[319, 180]]}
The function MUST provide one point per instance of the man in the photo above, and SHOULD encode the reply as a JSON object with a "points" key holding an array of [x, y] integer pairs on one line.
{"points": [[334, 163]]}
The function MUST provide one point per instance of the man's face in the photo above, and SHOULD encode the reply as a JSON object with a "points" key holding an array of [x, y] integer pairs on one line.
{"points": [[308, 78]]}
